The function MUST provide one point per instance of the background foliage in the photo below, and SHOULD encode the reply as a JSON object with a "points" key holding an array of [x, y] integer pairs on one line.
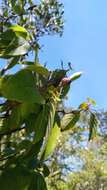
{"points": [[79, 165]]}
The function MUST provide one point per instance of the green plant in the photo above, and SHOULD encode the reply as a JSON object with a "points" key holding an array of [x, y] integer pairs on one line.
{"points": [[30, 123]]}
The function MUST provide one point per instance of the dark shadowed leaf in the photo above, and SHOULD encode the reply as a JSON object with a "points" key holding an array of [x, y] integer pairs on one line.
{"points": [[38, 182], [15, 179], [46, 171], [20, 178], [12, 121]]}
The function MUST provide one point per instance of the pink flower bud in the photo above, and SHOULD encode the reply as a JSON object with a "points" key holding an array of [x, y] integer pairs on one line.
{"points": [[65, 81]]}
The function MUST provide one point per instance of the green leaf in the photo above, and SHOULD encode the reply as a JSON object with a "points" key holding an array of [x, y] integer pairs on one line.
{"points": [[15, 179], [27, 108], [12, 62], [13, 45], [13, 120], [69, 120], [39, 69], [51, 117], [30, 123], [52, 109], [17, 47], [93, 123], [24, 144], [20, 31], [40, 124], [38, 182], [91, 101], [20, 178], [27, 62], [33, 151], [6, 37], [52, 141], [21, 87]]}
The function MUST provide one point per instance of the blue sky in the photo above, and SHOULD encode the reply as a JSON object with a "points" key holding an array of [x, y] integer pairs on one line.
{"points": [[84, 43]]}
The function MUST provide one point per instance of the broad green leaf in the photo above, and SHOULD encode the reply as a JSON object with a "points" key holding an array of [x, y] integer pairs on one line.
{"points": [[39, 69], [27, 108], [52, 141], [93, 123], [12, 45], [17, 47], [20, 31], [21, 87], [69, 120]]}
